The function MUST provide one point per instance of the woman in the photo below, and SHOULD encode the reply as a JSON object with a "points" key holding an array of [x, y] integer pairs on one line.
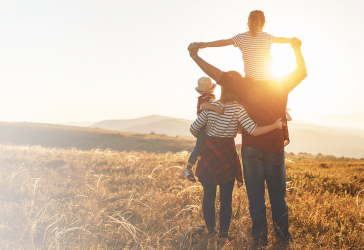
{"points": [[218, 162]]}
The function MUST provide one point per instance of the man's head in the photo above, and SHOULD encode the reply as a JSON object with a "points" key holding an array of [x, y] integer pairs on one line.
{"points": [[235, 73], [205, 86]]}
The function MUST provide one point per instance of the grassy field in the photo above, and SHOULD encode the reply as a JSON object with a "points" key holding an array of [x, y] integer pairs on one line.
{"points": [[101, 199]]}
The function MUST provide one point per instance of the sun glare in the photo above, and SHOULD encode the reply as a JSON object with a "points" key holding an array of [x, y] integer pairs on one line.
{"points": [[284, 60]]}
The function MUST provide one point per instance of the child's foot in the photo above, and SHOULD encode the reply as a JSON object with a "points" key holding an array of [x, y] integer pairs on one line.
{"points": [[188, 173]]}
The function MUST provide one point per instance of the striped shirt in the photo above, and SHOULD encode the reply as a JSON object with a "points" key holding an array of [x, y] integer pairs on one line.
{"points": [[257, 55], [225, 125]]}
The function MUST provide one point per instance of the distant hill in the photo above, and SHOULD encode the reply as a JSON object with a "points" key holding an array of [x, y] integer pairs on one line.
{"points": [[305, 137], [48, 135], [327, 143], [76, 124], [126, 124], [168, 126], [313, 127], [342, 119], [153, 123], [349, 130], [326, 129]]}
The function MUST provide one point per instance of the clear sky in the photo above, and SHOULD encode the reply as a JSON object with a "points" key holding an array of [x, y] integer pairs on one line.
{"points": [[91, 60]]}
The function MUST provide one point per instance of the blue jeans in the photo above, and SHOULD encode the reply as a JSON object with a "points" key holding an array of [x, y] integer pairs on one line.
{"points": [[260, 167], [208, 206], [200, 137]]}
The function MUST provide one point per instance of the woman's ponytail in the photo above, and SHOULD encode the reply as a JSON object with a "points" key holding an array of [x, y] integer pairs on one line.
{"points": [[256, 21]]}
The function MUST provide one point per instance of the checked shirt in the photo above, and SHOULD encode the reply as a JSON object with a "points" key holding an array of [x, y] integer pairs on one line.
{"points": [[218, 162], [202, 99], [265, 102]]}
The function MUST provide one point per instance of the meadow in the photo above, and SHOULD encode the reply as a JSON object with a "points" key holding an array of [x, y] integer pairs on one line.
{"points": [[52, 198]]}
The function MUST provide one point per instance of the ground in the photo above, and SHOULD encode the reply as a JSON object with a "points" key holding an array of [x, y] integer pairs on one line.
{"points": [[101, 199]]}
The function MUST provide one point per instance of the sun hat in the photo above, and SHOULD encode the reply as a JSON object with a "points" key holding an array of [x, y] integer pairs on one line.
{"points": [[205, 85]]}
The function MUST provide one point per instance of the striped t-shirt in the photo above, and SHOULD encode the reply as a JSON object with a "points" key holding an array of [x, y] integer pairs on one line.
{"points": [[225, 125], [257, 55]]}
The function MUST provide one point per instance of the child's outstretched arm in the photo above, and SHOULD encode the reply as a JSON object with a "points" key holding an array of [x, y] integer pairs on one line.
{"points": [[265, 129], [218, 43], [282, 40], [208, 106]]}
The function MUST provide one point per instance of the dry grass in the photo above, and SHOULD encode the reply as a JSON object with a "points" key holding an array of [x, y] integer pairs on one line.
{"points": [[73, 199]]}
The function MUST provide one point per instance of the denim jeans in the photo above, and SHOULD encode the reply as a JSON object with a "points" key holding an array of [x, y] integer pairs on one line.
{"points": [[200, 137], [208, 206], [260, 167]]}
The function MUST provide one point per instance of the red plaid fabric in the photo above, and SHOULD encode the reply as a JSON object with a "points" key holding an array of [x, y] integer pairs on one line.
{"points": [[202, 99], [265, 102], [218, 162]]}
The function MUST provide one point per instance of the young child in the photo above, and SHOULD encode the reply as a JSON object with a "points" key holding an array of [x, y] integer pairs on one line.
{"points": [[205, 89], [255, 45]]}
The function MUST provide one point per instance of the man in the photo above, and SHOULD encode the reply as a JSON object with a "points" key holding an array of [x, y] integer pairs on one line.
{"points": [[263, 156]]}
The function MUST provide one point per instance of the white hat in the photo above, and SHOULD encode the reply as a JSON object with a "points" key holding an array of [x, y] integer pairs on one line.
{"points": [[205, 85]]}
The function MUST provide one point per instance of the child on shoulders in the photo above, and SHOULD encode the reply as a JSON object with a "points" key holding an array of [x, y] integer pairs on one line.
{"points": [[255, 45]]}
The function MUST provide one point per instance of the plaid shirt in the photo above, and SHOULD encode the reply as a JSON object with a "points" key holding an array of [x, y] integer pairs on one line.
{"points": [[265, 102], [218, 162], [202, 99]]}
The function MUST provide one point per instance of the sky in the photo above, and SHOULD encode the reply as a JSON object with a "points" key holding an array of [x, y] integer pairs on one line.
{"points": [[93, 60]]}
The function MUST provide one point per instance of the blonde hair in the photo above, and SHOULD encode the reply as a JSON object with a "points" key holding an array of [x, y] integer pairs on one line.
{"points": [[256, 21]]}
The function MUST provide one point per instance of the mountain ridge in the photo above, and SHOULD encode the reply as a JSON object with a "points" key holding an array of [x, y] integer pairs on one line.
{"points": [[60, 136], [125, 123], [305, 137]]}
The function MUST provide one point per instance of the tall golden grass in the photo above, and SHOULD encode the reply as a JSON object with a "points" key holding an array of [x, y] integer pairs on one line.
{"points": [[72, 199]]}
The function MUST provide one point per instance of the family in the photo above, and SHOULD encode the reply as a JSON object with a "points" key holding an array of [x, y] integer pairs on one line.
{"points": [[255, 107]]}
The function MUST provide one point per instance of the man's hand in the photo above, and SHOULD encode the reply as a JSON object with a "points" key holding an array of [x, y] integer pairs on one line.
{"points": [[199, 45], [278, 123], [193, 49], [300, 62], [209, 70], [296, 43]]}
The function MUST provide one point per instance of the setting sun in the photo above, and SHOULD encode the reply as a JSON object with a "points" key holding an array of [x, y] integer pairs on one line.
{"points": [[284, 60]]}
